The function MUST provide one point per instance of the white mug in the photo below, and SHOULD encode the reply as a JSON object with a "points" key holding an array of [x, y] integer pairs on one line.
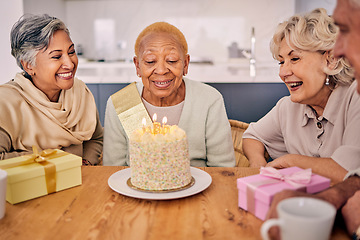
{"points": [[3, 179], [302, 218]]}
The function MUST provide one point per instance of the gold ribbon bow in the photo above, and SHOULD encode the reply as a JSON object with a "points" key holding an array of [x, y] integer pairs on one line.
{"points": [[41, 158]]}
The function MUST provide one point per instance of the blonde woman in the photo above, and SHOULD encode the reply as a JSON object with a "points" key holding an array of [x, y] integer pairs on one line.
{"points": [[317, 125]]}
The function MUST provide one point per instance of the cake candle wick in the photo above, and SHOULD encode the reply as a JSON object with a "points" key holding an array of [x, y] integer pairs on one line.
{"points": [[156, 125], [144, 125], [164, 128]]}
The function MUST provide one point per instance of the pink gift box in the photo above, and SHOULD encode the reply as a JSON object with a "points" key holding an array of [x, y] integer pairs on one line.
{"points": [[260, 199]]}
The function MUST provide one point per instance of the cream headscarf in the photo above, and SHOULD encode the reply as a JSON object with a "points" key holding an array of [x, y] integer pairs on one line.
{"points": [[30, 118]]}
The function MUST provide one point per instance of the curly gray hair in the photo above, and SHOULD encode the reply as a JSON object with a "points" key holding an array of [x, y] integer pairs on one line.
{"points": [[32, 33], [315, 32]]}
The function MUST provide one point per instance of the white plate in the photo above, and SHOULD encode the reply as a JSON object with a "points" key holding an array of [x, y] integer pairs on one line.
{"points": [[117, 182]]}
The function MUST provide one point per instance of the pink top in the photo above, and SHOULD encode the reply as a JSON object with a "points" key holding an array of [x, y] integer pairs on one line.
{"points": [[292, 128]]}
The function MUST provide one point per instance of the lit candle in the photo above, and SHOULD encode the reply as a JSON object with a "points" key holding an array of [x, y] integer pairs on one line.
{"points": [[165, 128], [156, 125], [144, 124], [164, 121]]}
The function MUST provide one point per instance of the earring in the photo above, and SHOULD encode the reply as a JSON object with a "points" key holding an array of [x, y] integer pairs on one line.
{"points": [[138, 75], [327, 81]]}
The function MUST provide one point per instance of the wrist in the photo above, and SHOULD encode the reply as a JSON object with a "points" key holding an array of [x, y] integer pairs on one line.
{"points": [[332, 196]]}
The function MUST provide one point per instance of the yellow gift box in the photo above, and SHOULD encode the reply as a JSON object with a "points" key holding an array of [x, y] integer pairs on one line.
{"points": [[39, 174]]}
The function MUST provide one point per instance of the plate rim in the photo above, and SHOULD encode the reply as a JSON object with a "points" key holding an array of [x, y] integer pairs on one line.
{"points": [[202, 181]]}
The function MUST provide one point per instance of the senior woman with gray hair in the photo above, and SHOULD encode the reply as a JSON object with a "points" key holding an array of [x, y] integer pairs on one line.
{"points": [[317, 126], [161, 61], [45, 105]]}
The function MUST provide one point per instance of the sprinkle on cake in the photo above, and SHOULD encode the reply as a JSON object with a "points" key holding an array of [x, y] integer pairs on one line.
{"points": [[159, 158]]}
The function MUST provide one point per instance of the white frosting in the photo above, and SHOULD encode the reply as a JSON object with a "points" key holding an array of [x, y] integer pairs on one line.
{"points": [[159, 161]]}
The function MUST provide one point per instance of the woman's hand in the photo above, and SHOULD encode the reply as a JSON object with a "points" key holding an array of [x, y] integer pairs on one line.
{"points": [[281, 196], [351, 212], [285, 161], [326, 167], [274, 232]]}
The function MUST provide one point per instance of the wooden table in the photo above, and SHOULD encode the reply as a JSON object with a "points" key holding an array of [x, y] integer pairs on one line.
{"points": [[94, 211]]}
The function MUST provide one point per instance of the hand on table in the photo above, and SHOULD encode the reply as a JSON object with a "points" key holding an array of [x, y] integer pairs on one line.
{"points": [[282, 162], [274, 231], [351, 212]]}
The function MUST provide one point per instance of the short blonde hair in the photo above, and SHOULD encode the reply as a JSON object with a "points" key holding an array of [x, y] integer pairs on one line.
{"points": [[162, 27], [315, 32]]}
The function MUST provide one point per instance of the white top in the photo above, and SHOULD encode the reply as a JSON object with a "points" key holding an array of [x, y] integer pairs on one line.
{"points": [[172, 113]]}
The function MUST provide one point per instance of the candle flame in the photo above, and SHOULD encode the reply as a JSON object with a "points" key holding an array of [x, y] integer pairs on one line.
{"points": [[154, 117], [144, 122], [164, 120]]}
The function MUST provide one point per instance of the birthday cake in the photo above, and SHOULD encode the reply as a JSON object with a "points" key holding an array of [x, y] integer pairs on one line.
{"points": [[159, 158]]}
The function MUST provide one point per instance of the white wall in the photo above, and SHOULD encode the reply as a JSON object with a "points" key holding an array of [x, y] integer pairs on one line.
{"points": [[209, 25], [10, 12], [54, 8], [308, 5]]}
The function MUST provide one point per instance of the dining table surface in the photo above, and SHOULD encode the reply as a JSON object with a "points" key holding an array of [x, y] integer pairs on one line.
{"points": [[93, 210]]}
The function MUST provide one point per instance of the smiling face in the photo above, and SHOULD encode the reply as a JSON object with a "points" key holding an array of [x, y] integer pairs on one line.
{"points": [[347, 17], [55, 67], [161, 64], [302, 72]]}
